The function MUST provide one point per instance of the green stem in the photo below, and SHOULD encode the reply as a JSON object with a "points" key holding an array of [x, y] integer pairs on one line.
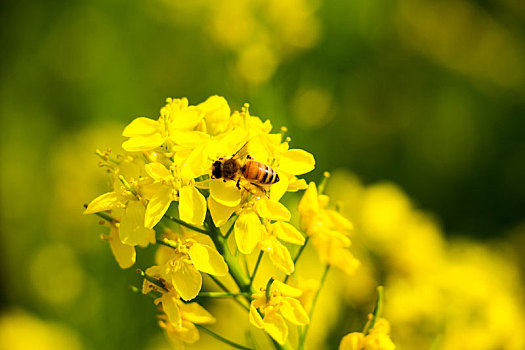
{"points": [[152, 294], [224, 288], [127, 185], [105, 216], [230, 230], [278, 346], [269, 288], [297, 257], [302, 337], [259, 258], [221, 294], [219, 283], [185, 224], [151, 279], [221, 338], [377, 311], [166, 242], [221, 243], [322, 183]]}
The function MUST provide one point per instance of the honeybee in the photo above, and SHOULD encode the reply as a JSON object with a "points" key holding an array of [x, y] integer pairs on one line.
{"points": [[232, 168]]}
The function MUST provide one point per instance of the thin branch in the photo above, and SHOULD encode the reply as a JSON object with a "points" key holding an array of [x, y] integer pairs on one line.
{"points": [[259, 258], [222, 339], [297, 257], [302, 337], [185, 224]]}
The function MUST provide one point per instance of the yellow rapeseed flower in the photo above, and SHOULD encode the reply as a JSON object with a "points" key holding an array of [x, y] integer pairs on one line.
{"points": [[127, 208], [124, 254], [181, 264], [179, 317], [175, 128], [268, 311]]}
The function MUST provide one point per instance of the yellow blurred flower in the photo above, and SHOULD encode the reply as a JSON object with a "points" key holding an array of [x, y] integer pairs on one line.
{"points": [[21, 331], [450, 295], [378, 338], [327, 229]]}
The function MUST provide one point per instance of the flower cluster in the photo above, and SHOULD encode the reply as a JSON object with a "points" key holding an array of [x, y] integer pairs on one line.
{"points": [[328, 230], [204, 185]]}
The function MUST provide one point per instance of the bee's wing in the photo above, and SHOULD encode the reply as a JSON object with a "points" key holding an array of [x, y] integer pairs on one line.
{"points": [[243, 151], [254, 145]]}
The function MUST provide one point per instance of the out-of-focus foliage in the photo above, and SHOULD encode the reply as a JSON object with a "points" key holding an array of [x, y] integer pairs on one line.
{"points": [[457, 294], [427, 94]]}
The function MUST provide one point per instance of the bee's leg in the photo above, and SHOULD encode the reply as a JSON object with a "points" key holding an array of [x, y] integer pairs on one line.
{"points": [[239, 183], [249, 157], [263, 190]]}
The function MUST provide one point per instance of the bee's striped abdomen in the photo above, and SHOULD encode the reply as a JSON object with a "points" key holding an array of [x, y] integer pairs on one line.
{"points": [[259, 172]]}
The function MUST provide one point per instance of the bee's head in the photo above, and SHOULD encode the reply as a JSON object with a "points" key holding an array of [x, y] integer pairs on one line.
{"points": [[216, 169]]}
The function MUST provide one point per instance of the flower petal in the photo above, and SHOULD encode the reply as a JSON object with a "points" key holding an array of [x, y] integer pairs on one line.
{"points": [[188, 138], [184, 118], [192, 205], [275, 326], [107, 201], [143, 143], [196, 164], [123, 253], [208, 260], [158, 171], [248, 232], [187, 332], [171, 307], [296, 184], [225, 192], [158, 205], [339, 220], [186, 280], [279, 254], [286, 289], [195, 313], [352, 341], [288, 233], [132, 230], [217, 113], [332, 252], [141, 126], [272, 210], [255, 317], [293, 311], [296, 162], [308, 207], [278, 189], [219, 213]]}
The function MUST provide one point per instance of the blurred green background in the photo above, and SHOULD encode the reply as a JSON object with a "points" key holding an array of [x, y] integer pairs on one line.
{"points": [[430, 95]]}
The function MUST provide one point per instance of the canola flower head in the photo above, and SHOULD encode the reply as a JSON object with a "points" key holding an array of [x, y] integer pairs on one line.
{"points": [[204, 185]]}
